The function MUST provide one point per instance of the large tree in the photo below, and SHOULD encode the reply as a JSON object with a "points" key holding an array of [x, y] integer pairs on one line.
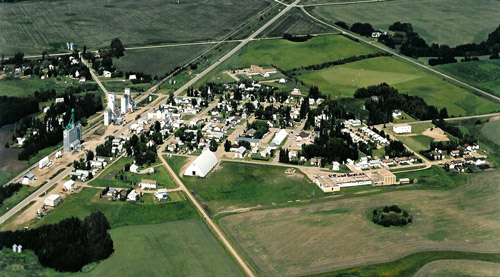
{"points": [[117, 48]]}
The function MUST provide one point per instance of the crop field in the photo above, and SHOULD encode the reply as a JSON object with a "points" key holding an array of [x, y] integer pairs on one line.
{"points": [[339, 234], [33, 26], [26, 87], [484, 74], [120, 213], [343, 80], [492, 130], [178, 248], [295, 22], [107, 178], [445, 268], [436, 21], [237, 185], [158, 61]]}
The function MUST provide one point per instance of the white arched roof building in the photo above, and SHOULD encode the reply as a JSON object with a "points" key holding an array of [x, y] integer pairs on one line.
{"points": [[202, 165]]}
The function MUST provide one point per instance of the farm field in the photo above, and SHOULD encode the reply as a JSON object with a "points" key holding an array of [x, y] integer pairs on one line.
{"points": [[27, 86], [491, 130], [107, 178], [343, 80], [32, 27], [483, 74], [436, 21], [120, 213], [158, 61], [295, 22], [237, 185], [300, 240], [177, 248], [444, 268]]}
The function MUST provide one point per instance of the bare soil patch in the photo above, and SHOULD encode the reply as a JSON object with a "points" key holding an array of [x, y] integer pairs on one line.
{"points": [[436, 133]]}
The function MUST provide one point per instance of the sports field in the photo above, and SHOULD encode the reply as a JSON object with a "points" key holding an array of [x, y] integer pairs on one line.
{"points": [[238, 185], [158, 61], [437, 21], [484, 74], [178, 248], [343, 80], [445, 268], [34, 26], [339, 234]]}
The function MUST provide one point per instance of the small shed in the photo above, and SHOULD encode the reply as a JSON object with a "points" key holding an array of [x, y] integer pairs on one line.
{"points": [[53, 200], [28, 178], [69, 185]]}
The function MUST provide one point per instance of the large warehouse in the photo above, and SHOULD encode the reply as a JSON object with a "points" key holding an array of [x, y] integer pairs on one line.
{"points": [[202, 165]]}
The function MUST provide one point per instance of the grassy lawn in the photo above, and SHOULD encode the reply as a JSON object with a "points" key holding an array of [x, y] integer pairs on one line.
{"points": [[237, 185], [158, 61], [107, 178], [32, 27], [178, 248], [26, 87], [120, 213], [24, 264], [343, 80], [436, 21], [435, 178], [290, 240], [176, 163], [484, 74], [416, 143], [17, 197]]}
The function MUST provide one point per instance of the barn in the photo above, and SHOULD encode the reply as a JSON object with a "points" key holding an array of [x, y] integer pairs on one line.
{"points": [[202, 165]]}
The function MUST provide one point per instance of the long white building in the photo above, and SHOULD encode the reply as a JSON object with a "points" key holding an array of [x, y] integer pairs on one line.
{"points": [[202, 165]]}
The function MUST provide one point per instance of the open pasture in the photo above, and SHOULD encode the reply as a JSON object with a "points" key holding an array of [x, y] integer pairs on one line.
{"points": [[178, 248], [158, 61], [238, 185], [445, 268], [27, 86], [339, 234], [491, 130], [484, 74], [34, 26], [343, 80], [436, 21]]}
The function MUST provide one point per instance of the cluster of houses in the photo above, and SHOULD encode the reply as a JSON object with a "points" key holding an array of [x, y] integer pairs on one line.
{"points": [[132, 195], [374, 136], [334, 182], [355, 138], [368, 162]]}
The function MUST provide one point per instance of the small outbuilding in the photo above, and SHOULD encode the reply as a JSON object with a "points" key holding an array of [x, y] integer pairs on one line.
{"points": [[28, 178], [52, 200], [69, 185]]}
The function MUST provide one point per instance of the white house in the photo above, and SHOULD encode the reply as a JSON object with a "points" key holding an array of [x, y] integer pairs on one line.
{"points": [[336, 166], [134, 168], [161, 194], [52, 200], [149, 184], [28, 178], [69, 185], [132, 196], [202, 165], [401, 129]]}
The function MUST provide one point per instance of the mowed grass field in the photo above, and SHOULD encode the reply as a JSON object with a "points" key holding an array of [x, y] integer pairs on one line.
{"points": [[437, 21], [484, 74], [491, 130], [33, 26], [178, 248], [343, 80], [234, 185], [158, 61], [445, 268], [339, 234], [27, 86]]}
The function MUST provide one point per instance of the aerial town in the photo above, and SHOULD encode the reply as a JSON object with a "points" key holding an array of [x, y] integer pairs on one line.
{"points": [[289, 138]]}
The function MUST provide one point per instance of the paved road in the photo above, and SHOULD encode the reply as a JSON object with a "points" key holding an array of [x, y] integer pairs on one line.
{"points": [[388, 50], [34, 195]]}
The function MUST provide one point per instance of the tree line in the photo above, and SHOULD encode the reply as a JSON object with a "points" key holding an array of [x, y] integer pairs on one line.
{"points": [[8, 191]]}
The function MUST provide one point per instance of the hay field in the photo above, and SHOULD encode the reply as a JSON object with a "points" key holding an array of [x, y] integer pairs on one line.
{"points": [[34, 26], [491, 130], [343, 80], [437, 21], [484, 74], [445, 268], [178, 248], [339, 234]]}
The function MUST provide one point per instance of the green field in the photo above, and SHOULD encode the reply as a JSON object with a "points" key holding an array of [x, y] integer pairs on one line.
{"points": [[492, 131], [440, 22], [107, 178], [483, 74], [26, 87], [445, 268], [339, 234], [179, 248], [33, 26], [17, 197], [343, 80], [295, 22], [120, 213], [158, 61], [416, 142], [238, 185]]}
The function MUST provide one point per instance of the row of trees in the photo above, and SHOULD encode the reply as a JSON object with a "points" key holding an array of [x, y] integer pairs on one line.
{"points": [[68, 245]]}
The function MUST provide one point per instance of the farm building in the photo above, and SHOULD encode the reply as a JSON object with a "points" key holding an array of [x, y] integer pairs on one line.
{"points": [[69, 185], [28, 178], [52, 200], [401, 129], [149, 184], [202, 165]]}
